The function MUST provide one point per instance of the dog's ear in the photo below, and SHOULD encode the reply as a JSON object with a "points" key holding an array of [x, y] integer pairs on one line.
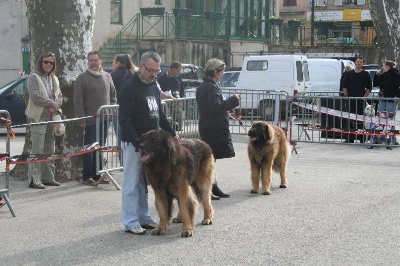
{"points": [[169, 146], [269, 132], [255, 123]]}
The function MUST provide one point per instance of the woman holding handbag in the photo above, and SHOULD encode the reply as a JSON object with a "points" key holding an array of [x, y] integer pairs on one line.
{"points": [[44, 101]]}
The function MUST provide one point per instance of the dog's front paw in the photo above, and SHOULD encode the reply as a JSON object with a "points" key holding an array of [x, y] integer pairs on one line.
{"points": [[187, 233], [177, 220], [266, 192], [206, 222], [283, 186], [158, 231], [253, 191]]}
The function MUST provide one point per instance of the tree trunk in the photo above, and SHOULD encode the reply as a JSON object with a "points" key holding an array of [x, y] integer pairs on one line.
{"points": [[65, 28], [385, 15]]}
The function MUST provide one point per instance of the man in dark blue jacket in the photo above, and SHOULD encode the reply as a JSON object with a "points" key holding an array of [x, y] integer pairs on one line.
{"points": [[171, 83], [139, 111]]}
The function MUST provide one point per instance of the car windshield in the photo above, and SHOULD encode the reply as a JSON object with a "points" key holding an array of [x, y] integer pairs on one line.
{"points": [[190, 73], [5, 87], [372, 74], [229, 79]]}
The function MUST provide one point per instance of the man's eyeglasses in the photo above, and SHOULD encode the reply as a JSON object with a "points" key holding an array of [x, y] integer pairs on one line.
{"points": [[150, 70], [48, 62]]}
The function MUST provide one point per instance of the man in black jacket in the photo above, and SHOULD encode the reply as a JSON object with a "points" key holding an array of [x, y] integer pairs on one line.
{"points": [[171, 83], [139, 111], [356, 83]]}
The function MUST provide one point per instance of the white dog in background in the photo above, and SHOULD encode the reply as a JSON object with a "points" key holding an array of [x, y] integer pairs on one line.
{"points": [[369, 111]]}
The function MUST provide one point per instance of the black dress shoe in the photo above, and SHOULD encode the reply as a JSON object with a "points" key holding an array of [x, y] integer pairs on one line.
{"points": [[213, 197], [224, 195], [218, 192]]}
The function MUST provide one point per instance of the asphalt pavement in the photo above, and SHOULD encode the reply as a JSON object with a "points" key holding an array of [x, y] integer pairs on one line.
{"points": [[341, 207]]}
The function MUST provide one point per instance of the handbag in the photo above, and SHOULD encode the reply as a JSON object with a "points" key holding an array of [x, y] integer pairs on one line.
{"points": [[58, 128]]}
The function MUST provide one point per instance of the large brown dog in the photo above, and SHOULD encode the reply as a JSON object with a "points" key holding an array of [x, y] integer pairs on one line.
{"points": [[175, 170], [268, 150]]}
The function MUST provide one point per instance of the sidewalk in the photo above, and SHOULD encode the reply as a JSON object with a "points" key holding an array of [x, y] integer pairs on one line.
{"points": [[340, 208]]}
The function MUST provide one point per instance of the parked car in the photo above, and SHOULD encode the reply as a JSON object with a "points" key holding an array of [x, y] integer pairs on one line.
{"points": [[228, 81], [12, 99], [191, 75], [230, 78], [372, 69]]}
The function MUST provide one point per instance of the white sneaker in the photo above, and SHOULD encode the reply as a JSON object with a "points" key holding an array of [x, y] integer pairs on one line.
{"points": [[137, 230]]}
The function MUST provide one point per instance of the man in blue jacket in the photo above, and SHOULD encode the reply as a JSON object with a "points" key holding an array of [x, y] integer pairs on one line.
{"points": [[171, 83]]}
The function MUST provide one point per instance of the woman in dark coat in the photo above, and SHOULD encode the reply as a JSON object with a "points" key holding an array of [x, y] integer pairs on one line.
{"points": [[213, 111], [388, 80]]}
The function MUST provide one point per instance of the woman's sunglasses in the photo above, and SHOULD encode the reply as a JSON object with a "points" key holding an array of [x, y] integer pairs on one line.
{"points": [[48, 62]]}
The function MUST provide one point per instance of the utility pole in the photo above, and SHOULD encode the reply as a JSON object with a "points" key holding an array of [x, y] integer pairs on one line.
{"points": [[312, 22]]}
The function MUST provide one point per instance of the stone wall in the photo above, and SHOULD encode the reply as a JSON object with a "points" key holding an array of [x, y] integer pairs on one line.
{"points": [[198, 52]]}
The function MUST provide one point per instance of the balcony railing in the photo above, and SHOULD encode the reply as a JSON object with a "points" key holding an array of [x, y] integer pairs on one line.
{"points": [[217, 26]]}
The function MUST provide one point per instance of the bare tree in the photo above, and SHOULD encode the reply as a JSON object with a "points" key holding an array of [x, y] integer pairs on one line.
{"points": [[64, 28], [385, 16]]}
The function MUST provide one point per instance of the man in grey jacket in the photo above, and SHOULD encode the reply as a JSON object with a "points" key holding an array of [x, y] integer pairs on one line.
{"points": [[93, 88]]}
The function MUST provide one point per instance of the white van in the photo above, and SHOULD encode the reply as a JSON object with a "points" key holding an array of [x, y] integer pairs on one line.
{"points": [[278, 73], [325, 75]]}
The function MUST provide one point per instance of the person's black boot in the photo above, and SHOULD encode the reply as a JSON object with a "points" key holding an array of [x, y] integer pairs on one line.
{"points": [[217, 192], [213, 197]]}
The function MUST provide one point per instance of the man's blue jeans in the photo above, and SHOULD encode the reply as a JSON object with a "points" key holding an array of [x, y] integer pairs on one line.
{"points": [[135, 208]]}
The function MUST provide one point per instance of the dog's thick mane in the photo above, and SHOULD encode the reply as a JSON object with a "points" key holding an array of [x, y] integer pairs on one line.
{"points": [[177, 153]]}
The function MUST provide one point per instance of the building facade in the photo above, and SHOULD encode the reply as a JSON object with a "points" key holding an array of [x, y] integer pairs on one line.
{"points": [[192, 31]]}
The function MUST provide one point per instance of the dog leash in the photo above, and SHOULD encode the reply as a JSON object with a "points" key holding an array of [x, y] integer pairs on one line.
{"points": [[237, 117]]}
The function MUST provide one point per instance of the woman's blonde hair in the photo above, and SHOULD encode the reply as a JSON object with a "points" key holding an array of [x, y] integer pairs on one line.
{"points": [[390, 64]]}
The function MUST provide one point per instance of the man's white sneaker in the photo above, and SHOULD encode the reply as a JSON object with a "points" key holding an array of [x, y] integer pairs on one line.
{"points": [[137, 231]]}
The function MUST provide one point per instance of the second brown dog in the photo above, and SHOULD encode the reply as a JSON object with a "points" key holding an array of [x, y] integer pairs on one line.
{"points": [[268, 150]]}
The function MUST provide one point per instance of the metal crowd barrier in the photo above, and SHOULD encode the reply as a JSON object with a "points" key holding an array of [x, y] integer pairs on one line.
{"points": [[318, 117], [108, 135], [255, 105], [328, 118], [183, 116], [4, 192]]}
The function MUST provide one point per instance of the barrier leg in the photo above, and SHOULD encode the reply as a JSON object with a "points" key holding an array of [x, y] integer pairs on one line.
{"points": [[103, 176], [10, 207]]}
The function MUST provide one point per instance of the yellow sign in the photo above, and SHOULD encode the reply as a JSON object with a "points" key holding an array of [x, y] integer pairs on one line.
{"points": [[352, 14]]}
